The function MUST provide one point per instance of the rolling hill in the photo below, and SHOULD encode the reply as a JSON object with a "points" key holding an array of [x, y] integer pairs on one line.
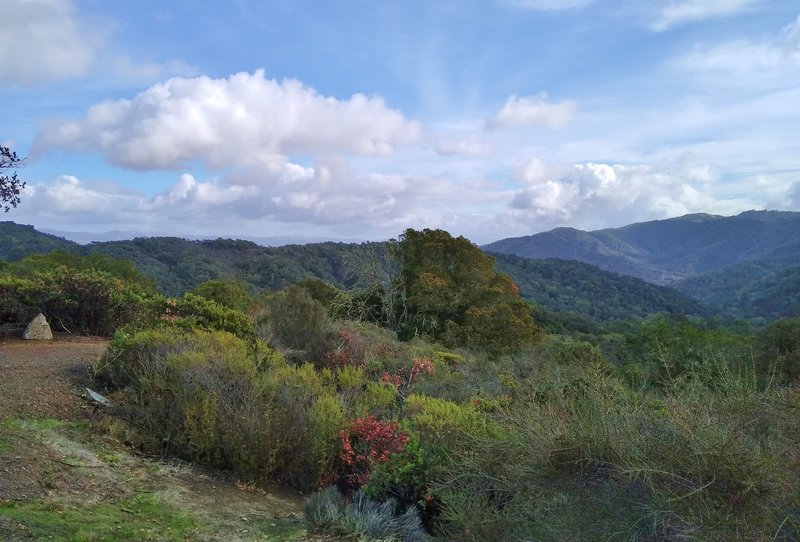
{"points": [[669, 251], [17, 241], [576, 289]]}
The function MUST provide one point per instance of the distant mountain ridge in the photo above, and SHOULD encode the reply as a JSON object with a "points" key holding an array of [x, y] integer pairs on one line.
{"points": [[667, 251], [178, 265], [83, 237]]}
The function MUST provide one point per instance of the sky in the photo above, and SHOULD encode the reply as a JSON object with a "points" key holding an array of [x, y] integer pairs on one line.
{"points": [[356, 120]]}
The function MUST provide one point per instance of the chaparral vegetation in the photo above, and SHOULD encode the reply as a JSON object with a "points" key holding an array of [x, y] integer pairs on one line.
{"points": [[421, 397]]}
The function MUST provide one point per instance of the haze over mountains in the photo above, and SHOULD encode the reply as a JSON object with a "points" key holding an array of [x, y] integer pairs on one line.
{"points": [[85, 237], [742, 266]]}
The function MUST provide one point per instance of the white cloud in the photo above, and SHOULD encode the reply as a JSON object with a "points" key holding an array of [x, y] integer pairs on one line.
{"points": [[532, 110], [594, 195], [686, 11], [246, 119], [328, 195], [746, 59], [43, 40]]}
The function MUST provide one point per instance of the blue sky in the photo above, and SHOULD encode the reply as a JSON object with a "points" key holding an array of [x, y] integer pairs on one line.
{"points": [[355, 119]]}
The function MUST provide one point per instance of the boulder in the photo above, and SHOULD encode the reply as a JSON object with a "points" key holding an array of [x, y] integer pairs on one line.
{"points": [[38, 329]]}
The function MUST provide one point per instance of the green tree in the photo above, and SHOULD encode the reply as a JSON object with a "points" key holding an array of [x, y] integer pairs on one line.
{"points": [[453, 294], [10, 185], [229, 293]]}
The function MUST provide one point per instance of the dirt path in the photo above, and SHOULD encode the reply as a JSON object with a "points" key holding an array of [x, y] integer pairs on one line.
{"points": [[62, 477], [43, 378]]}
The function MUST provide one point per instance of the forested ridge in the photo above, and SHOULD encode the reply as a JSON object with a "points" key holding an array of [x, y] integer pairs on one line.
{"points": [[668, 251], [179, 265]]}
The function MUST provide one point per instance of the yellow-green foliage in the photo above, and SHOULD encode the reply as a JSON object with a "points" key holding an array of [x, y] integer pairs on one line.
{"points": [[701, 461], [377, 399], [350, 376], [327, 419], [211, 397], [443, 422], [210, 315]]}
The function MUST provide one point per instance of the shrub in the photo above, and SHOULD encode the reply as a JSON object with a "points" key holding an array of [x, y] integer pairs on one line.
{"points": [[366, 443], [228, 293], [187, 387], [206, 314], [77, 300], [298, 325], [329, 513]]}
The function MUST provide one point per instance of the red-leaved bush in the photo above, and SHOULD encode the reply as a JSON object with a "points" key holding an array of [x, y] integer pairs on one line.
{"points": [[404, 377], [368, 441], [349, 352]]}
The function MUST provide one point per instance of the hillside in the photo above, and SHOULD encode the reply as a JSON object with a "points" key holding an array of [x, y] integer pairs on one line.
{"points": [[179, 265], [667, 251], [767, 289], [573, 287], [17, 241]]}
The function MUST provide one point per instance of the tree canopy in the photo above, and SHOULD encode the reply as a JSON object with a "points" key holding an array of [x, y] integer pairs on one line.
{"points": [[453, 294]]}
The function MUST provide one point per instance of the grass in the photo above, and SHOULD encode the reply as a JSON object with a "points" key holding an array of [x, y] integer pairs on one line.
{"points": [[122, 496], [143, 517]]}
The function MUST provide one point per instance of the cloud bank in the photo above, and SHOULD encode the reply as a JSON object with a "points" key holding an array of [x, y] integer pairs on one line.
{"points": [[244, 119], [43, 40]]}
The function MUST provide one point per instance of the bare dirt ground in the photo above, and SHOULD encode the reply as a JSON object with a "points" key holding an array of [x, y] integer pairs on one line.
{"points": [[59, 465], [43, 378]]}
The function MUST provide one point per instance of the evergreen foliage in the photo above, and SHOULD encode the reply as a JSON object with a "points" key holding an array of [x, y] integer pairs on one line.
{"points": [[452, 294]]}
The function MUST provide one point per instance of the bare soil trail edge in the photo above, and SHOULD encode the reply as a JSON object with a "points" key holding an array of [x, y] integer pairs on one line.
{"points": [[56, 456]]}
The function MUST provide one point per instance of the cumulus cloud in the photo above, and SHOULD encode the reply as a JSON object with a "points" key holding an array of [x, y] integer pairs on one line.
{"points": [[686, 11], [329, 194], [245, 119], [43, 40], [596, 194], [532, 111]]}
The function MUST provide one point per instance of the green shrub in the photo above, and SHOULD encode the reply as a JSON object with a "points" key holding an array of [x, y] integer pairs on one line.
{"points": [[777, 349], [206, 314], [77, 300], [298, 325], [403, 478], [188, 386], [228, 293]]}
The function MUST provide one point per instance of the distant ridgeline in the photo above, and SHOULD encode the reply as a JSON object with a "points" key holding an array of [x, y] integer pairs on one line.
{"points": [[745, 266]]}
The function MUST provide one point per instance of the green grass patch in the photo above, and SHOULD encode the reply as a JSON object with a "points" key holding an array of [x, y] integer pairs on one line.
{"points": [[30, 425], [143, 517]]}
